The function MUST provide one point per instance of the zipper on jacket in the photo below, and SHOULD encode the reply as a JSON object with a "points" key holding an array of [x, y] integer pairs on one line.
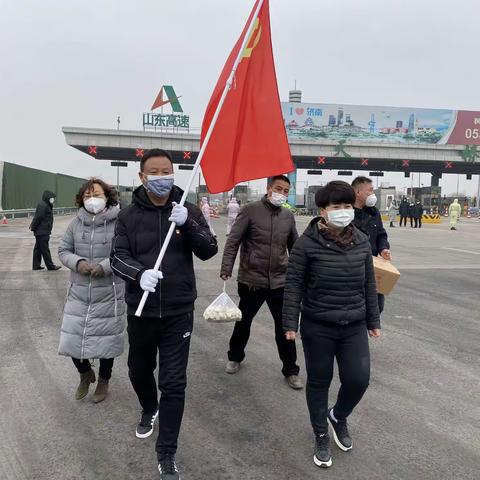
{"points": [[89, 291], [159, 280], [271, 251]]}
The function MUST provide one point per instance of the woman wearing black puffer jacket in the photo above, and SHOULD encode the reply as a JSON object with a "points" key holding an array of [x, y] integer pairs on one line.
{"points": [[331, 282]]}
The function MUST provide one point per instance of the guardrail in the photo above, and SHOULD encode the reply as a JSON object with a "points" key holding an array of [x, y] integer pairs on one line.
{"points": [[29, 212]]}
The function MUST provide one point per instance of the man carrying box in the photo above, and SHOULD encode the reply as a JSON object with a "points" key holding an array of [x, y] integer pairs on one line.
{"points": [[369, 220]]}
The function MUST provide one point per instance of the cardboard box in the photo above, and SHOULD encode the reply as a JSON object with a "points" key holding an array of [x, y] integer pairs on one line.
{"points": [[386, 275]]}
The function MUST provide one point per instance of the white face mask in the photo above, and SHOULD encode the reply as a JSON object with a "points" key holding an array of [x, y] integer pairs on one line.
{"points": [[371, 200], [341, 218], [52, 200], [277, 199], [95, 204]]}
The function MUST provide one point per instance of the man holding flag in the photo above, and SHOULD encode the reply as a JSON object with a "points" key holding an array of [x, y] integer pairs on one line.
{"points": [[166, 323], [243, 138]]}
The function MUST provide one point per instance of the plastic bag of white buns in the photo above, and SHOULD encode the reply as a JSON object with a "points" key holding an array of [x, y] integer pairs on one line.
{"points": [[222, 310]]}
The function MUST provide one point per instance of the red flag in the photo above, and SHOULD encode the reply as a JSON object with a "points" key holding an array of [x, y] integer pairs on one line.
{"points": [[249, 139]]}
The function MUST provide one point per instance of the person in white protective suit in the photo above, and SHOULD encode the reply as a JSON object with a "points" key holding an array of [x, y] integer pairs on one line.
{"points": [[233, 209], [206, 213]]}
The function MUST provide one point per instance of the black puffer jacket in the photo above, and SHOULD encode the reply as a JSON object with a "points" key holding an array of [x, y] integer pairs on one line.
{"points": [[418, 210], [369, 221], [330, 284], [403, 210], [42, 222], [140, 232]]}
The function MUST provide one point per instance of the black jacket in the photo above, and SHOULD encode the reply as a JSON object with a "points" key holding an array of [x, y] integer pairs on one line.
{"points": [[403, 209], [42, 222], [330, 284], [139, 235], [369, 221], [418, 210]]}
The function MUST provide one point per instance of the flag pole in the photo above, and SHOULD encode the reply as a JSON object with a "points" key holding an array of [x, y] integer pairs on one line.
{"points": [[196, 167]]}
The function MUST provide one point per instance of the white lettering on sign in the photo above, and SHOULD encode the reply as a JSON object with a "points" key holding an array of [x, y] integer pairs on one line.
{"points": [[476, 121], [472, 133]]}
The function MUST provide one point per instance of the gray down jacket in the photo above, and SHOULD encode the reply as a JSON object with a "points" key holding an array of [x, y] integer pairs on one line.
{"points": [[93, 319]]}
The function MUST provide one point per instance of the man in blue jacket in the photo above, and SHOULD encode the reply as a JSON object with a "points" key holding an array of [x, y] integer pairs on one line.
{"points": [[369, 220]]}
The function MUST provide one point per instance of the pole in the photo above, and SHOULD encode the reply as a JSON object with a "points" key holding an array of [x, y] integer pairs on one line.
{"points": [[458, 183], [196, 167], [478, 193]]}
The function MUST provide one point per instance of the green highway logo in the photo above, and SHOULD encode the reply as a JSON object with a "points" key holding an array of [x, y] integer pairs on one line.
{"points": [[172, 99]]}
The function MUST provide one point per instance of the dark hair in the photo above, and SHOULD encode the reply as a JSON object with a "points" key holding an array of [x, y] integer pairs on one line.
{"points": [[154, 152], [283, 178], [361, 181], [110, 192], [333, 193]]}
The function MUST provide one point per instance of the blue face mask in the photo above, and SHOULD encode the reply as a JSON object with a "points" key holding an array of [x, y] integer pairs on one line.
{"points": [[160, 186]]}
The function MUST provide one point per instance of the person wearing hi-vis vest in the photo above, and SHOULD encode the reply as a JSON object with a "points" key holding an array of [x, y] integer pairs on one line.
{"points": [[454, 211], [166, 323]]}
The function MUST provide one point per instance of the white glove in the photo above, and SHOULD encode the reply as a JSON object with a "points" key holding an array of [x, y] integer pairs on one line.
{"points": [[179, 214], [149, 280]]}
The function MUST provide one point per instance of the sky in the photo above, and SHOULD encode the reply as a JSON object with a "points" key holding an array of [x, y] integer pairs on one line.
{"points": [[83, 63]]}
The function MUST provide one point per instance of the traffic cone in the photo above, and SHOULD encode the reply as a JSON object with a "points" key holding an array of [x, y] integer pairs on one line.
{"points": [[4, 221]]}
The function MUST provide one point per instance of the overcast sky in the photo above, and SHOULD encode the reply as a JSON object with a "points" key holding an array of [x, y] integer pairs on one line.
{"points": [[82, 63]]}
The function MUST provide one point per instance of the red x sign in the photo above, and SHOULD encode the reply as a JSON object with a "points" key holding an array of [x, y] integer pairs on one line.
{"points": [[405, 163], [187, 155], [364, 162], [321, 160], [448, 165], [139, 153], [92, 150]]}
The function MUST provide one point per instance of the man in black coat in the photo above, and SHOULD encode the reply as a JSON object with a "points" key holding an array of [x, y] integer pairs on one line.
{"points": [[41, 226], [417, 214], [369, 220], [167, 319], [403, 211]]}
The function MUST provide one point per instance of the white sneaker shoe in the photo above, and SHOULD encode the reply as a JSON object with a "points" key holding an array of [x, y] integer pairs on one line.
{"points": [[232, 367]]}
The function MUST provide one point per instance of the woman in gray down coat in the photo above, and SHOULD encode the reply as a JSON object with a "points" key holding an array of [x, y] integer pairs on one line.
{"points": [[93, 319]]}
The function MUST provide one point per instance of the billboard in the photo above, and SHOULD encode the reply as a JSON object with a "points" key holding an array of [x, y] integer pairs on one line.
{"points": [[359, 123]]}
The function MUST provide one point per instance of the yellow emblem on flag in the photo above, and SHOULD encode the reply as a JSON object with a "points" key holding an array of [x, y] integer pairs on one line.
{"points": [[247, 53]]}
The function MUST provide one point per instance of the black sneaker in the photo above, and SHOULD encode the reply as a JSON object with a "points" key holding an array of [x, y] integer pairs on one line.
{"points": [[340, 432], [323, 455], [167, 467], [145, 427]]}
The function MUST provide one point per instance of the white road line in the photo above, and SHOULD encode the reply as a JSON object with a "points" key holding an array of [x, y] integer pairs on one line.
{"points": [[460, 250]]}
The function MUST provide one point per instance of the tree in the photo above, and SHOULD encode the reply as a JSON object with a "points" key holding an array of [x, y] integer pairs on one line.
{"points": [[470, 153]]}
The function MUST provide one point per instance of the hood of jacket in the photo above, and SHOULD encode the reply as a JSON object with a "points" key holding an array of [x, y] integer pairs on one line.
{"points": [[47, 195], [141, 199]]}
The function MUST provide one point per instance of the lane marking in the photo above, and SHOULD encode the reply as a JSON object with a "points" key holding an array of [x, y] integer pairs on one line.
{"points": [[460, 250]]}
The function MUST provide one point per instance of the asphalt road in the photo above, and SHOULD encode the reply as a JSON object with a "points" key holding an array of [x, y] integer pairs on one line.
{"points": [[420, 418]]}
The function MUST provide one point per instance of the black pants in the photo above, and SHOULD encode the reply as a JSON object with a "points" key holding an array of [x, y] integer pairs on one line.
{"points": [[411, 221], [403, 221], [170, 337], [105, 371], [251, 299], [349, 345], [418, 223], [381, 302], [40, 250]]}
